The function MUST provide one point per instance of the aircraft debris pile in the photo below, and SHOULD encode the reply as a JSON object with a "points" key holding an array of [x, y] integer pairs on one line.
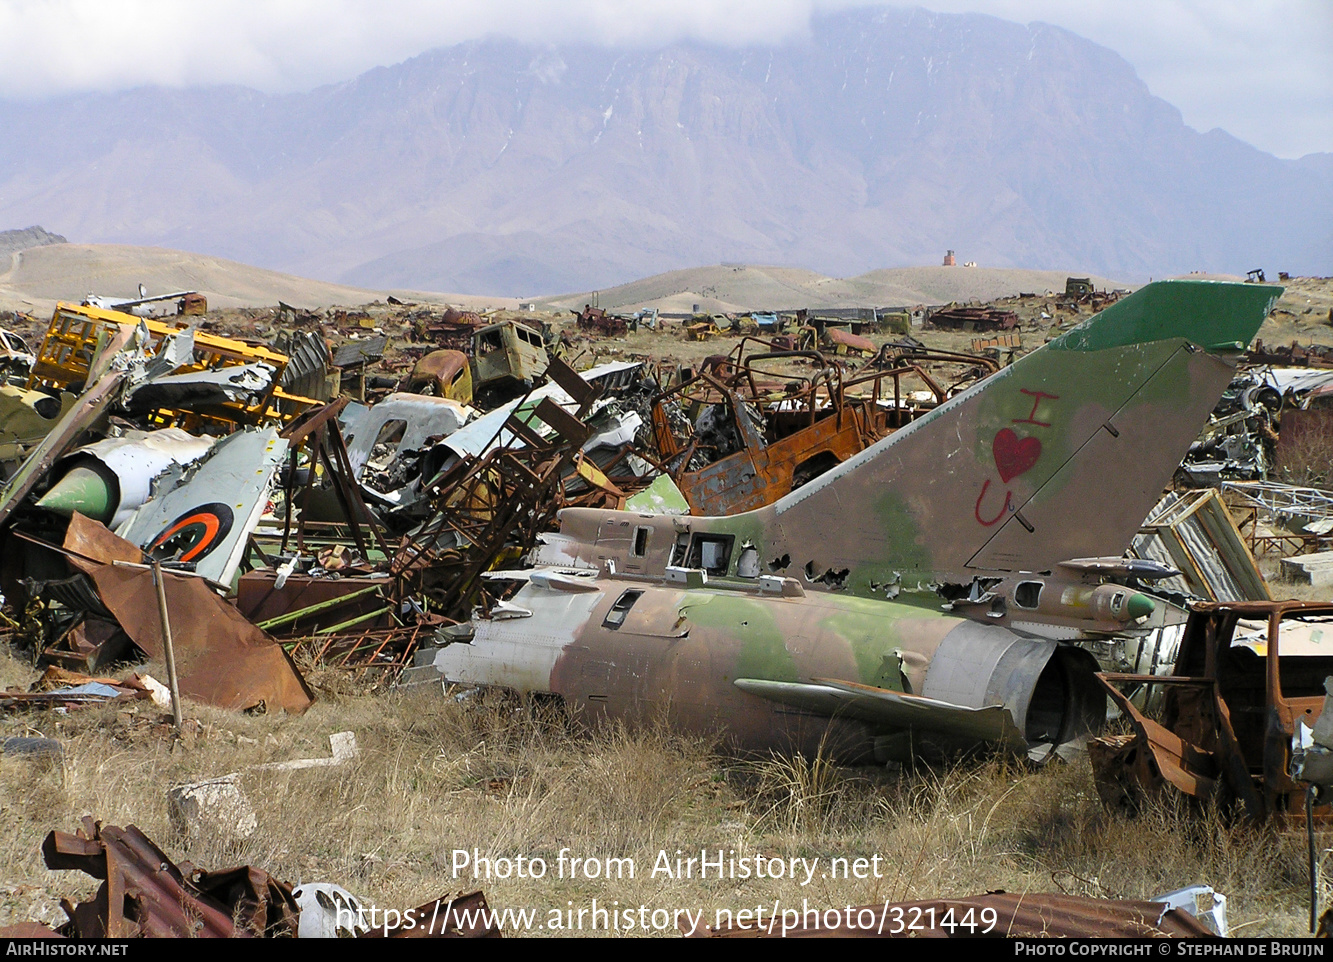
{"points": [[813, 623], [773, 544], [144, 894], [348, 530], [1274, 422], [373, 536]]}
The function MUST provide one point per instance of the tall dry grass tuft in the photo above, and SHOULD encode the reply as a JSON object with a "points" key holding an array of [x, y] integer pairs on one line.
{"points": [[798, 794]]}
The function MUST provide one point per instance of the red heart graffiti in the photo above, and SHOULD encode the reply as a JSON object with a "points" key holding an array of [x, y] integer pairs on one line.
{"points": [[1014, 455]]}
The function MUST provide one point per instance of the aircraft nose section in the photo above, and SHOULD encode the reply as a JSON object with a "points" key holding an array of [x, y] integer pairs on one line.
{"points": [[1140, 606]]}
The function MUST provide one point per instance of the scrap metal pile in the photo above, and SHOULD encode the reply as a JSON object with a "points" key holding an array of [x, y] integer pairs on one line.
{"points": [[1274, 423], [726, 539], [237, 507], [144, 894], [262, 503]]}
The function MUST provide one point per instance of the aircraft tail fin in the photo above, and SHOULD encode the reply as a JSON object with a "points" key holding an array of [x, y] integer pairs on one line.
{"points": [[1061, 455]]}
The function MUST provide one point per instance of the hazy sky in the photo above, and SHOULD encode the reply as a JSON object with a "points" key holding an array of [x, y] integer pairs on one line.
{"points": [[1260, 69]]}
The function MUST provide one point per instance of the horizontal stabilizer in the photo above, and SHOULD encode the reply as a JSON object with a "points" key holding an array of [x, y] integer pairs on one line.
{"points": [[894, 711]]}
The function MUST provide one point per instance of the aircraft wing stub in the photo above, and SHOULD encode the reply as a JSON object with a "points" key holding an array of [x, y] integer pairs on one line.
{"points": [[895, 711]]}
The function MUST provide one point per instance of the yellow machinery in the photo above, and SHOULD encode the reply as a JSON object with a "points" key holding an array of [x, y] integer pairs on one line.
{"points": [[77, 333]]}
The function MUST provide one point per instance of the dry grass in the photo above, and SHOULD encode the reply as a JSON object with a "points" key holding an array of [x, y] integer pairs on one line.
{"points": [[1283, 588], [437, 775]]}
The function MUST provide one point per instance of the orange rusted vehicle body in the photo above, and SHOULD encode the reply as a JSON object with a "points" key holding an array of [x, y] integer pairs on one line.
{"points": [[1247, 675]]}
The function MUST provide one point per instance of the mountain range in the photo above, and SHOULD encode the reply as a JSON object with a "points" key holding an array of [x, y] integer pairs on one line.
{"points": [[882, 138]]}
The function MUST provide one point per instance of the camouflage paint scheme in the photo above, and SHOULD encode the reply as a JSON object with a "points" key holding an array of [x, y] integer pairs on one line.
{"points": [[1058, 457], [769, 668]]}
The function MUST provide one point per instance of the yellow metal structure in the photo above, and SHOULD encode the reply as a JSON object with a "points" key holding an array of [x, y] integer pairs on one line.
{"points": [[77, 333]]}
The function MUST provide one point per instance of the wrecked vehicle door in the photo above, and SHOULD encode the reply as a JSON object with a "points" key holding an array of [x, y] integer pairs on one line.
{"points": [[1249, 676]]}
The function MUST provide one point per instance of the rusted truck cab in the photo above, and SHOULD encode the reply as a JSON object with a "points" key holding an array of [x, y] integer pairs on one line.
{"points": [[444, 374], [1248, 674], [507, 359]]}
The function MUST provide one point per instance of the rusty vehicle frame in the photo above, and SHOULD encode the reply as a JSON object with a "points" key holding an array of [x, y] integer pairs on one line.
{"points": [[508, 358], [808, 427], [595, 320], [813, 421], [1227, 717]]}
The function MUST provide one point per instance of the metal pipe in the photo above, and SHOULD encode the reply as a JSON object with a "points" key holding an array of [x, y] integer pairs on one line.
{"points": [[167, 645]]}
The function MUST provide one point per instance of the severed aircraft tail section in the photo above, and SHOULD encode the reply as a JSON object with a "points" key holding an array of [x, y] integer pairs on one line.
{"points": [[1059, 456]]}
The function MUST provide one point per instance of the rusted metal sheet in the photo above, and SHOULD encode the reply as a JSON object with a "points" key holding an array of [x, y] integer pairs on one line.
{"points": [[844, 342], [974, 319], [29, 930], [222, 658], [448, 917], [145, 895], [996, 914]]}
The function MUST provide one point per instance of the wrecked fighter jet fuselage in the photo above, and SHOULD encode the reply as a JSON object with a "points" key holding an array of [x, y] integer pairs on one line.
{"points": [[768, 666], [1050, 464]]}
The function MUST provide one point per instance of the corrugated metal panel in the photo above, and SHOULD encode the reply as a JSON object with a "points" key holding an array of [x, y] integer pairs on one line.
{"points": [[357, 352], [307, 368], [1195, 533]]}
